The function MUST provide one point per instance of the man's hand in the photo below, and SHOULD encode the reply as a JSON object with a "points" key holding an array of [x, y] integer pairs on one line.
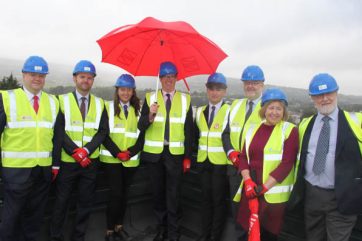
{"points": [[249, 187], [79, 154], [55, 171], [124, 156], [186, 165], [153, 112], [234, 157]]}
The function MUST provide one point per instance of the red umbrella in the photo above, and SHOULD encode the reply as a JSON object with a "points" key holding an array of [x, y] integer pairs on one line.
{"points": [[140, 48], [254, 226]]}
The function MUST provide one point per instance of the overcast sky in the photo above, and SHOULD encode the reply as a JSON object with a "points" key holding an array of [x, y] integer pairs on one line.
{"points": [[291, 40]]}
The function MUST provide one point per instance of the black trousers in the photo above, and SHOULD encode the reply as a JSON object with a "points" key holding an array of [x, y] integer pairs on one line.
{"points": [[24, 205], [234, 182], [165, 176], [213, 185], [119, 180], [70, 175]]}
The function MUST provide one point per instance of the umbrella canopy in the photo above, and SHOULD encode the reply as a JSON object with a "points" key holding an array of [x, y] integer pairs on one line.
{"points": [[140, 48], [254, 226]]}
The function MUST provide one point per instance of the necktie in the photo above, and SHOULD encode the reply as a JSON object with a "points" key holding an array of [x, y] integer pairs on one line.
{"points": [[212, 114], [36, 103], [322, 147], [82, 107], [125, 109], [167, 126], [250, 110]]}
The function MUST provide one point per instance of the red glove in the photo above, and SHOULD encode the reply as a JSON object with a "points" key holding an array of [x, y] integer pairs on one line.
{"points": [[55, 171], [249, 187], [261, 189], [85, 162], [186, 165], [124, 156], [234, 157], [79, 154]]}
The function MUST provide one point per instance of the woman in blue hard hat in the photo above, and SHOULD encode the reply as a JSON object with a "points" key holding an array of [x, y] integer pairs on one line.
{"points": [[267, 164], [119, 146]]}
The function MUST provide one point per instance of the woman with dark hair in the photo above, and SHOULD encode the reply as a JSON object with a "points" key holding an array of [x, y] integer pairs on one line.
{"points": [[122, 143], [267, 164]]}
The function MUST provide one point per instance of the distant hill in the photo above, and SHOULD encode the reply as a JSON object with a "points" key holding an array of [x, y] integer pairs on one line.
{"points": [[60, 75]]}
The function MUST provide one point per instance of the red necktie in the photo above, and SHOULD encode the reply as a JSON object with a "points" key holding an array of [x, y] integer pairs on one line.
{"points": [[36, 103]]}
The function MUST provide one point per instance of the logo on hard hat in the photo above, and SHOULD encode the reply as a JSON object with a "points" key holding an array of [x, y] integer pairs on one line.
{"points": [[38, 68], [87, 69], [322, 87]]}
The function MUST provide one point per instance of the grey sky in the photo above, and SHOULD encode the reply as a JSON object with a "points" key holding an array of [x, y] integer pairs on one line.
{"points": [[291, 40]]}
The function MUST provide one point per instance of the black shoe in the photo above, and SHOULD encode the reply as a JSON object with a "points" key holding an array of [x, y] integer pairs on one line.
{"points": [[122, 235], [161, 235]]}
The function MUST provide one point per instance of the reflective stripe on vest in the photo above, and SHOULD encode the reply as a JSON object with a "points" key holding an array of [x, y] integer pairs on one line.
{"points": [[273, 152], [123, 132], [210, 141], [154, 136], [27, 137], [237, 119]]}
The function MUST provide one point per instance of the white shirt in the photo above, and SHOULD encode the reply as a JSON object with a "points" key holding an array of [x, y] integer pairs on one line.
{"points": [[31, 95], [255, 102], [79, 99], [217, 108], [326, 178]]}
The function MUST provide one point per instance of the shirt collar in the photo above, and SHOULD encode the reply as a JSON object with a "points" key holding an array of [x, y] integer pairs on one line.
{"points": [[217, 106], [256, 101], [80, 96], [164, 93], [333, 115], [31, 95], [122, 104]]}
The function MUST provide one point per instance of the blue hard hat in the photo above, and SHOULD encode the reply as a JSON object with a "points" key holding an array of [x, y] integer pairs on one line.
{"points": [[216, 78], [125, 80], [273, 94], [35, 64], [322, 84], [167, 68], [84, 66], [252, 73]]}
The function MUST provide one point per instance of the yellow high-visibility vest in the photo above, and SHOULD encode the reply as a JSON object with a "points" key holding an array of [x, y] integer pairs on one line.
{"points": [[154, 136], [27, 137], [273, 153], [80, 132], [123, 132], [237, 120], [210, 142]]}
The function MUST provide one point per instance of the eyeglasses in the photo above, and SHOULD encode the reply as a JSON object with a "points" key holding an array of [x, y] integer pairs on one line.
{"points": [[253, 83]]}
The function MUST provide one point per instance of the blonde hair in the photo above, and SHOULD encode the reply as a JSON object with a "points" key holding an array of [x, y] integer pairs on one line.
{"points": [[265, 106]]}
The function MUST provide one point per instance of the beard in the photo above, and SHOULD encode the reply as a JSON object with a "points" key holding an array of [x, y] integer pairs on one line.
{"points": [[326, 109]]}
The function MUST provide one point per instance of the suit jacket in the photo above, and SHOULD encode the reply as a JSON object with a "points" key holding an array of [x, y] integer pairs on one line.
{"points": [[98, 138], [144, 123], [348, 169], [21, 175]]}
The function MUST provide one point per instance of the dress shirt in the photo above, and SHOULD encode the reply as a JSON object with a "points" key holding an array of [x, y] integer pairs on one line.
{"points": [[164, 93], [255, 102], [31, 95], [217, 108], [79, 99], [326, 178]]}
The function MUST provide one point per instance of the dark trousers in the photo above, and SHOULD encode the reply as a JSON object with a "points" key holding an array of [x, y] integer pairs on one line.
{"points": [[119, 180], [165, 176], [70, 175], [213, 186], [24, 205], [322, 219], [234, 183]]}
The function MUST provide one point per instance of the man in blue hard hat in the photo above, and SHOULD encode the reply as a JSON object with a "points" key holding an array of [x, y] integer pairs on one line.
{"points": [[243, 113], [212, 161], [328, 180], [31, 143], [86, 126], [166, 118]]}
